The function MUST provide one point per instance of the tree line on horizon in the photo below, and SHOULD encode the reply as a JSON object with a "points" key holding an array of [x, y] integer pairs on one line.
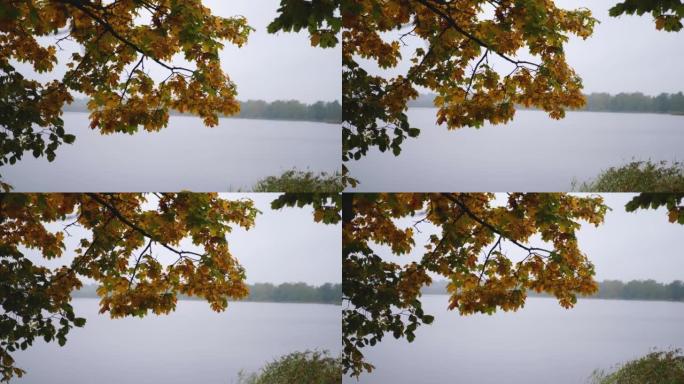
{"points": [[327, 293], [604, 102], [608, 289], [320, 111]]}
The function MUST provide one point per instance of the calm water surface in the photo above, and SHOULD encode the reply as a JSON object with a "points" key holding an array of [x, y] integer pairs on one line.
{"points": [[541, 343], [192, 345], [531, 153], [184, 156]]}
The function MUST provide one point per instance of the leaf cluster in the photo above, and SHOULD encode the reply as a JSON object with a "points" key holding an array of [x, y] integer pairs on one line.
{"points": [[668, 14], [327, 206], [671, 201], [320, 17]]}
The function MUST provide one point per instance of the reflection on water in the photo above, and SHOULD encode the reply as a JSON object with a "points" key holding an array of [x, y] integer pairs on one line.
{"points": [[192, 345], [532, 153], [184, 156], [541, 343]]}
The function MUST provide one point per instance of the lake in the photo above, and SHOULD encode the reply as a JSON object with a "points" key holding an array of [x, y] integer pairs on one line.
{"points": [[184, 156], [541, 343], [531, 153], [192, 345]]}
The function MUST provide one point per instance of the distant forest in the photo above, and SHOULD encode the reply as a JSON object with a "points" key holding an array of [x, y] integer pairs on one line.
{"points": [[609, 289], [604, 102], [265, 292], [327, 112]]}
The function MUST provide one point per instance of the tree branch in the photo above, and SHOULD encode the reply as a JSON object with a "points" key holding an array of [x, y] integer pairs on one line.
{"points": [[467, 34], [137, 262], [485, 224], [81, 6], [137, 228]]}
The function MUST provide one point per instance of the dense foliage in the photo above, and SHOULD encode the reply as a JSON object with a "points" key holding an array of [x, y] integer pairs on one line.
{"points": [[133, 251], [608, 289], [382, 295], [298, 367], [643, 176], [300, 181], [658, 367], [328, 112], [467, 53]]}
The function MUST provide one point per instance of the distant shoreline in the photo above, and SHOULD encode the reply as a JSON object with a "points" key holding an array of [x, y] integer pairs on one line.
{"points": [[229, 302], [579, 110], [635, 102], [235, 117], [634, 290], [537, 296], [278, 110], [287, 293]]}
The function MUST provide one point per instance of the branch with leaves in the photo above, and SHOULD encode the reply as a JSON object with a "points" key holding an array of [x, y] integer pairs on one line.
{"points": [[111, 70], [114, 68], [134, 277], [382, 295], [456, 37]]}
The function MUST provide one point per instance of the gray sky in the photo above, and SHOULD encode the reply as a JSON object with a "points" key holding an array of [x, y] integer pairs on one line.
{"points": [[283, 246], [625, 54], [287, 245], [628, 246], [269, 67], [281, 66]]}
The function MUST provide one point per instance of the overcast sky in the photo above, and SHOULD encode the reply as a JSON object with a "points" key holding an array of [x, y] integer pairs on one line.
{"points": [[625, 54], [269, 67], [628, 246], [283, 246], [287, 245]]}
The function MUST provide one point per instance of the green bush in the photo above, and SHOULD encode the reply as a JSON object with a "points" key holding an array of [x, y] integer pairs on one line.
{"points": [[658, 367], [298, 368], [637, 176], [300, 181]]}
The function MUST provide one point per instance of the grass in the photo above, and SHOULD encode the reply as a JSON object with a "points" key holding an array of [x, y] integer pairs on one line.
{"points": [[637, 176], [300, 181], [309, 367], [661, 367]]}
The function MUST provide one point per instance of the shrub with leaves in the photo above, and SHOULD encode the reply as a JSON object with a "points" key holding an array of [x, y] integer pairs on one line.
{"points": [[661, 367], [637, 176], [298, 367], [300, 181]]}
